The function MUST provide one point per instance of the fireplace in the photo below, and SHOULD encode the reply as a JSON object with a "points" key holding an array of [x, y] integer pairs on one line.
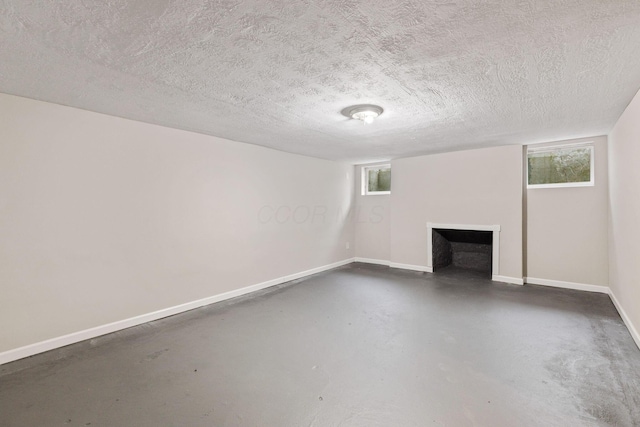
{"points": [[468, 249], [474, 247]]}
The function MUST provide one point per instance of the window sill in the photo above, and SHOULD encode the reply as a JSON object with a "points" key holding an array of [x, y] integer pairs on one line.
{"points": [[377, 193], [563, 185]]}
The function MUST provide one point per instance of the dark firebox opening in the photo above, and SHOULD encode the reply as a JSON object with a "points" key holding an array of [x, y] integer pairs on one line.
{"points": [[462, 248]]}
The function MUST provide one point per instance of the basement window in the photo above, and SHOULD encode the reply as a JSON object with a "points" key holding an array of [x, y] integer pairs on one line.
{"points": [[376, 180], [560, 166]]}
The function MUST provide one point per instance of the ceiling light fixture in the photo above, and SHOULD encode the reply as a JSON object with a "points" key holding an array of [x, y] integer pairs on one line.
{"points": [[365, 112]]}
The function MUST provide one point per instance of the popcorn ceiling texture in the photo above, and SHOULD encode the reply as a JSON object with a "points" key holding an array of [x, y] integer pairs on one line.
{"points": [[450, 75]]}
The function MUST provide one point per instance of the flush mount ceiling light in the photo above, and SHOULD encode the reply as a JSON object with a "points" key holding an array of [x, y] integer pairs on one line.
{"points": [[365, 112]]}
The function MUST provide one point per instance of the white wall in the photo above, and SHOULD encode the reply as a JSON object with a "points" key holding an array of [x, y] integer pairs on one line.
{"points": [[480, 187], [103, 218], [624, 215], [372, 222], [567, 227]]}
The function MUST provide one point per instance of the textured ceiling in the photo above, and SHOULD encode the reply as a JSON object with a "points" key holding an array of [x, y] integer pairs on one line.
{"points": [[450, 74]]}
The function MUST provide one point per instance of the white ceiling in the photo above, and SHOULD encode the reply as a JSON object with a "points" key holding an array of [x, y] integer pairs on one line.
{"points": [[450, 74]]}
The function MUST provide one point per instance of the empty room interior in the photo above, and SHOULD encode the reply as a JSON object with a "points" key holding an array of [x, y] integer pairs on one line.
{"points": [[330, 213]]}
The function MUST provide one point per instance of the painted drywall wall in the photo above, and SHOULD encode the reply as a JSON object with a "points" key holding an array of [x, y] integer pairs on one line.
{"points": [[372, 222], [624, 214], [567, 227], [479, 187], [103, 218]]}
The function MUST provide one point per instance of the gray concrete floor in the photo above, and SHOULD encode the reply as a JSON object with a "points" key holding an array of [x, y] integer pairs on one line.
{"points": [[356, 346]]}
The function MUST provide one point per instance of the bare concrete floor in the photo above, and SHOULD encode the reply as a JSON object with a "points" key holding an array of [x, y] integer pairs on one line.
{"points": [[357, 346]]}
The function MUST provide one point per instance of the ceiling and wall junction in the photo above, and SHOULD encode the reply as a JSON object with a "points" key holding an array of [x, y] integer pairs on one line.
{"points": [[450, 75]]}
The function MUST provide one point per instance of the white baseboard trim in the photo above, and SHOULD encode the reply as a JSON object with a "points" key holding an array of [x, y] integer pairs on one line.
{"points": [[427, 269], [51, 344], [507, 279], [422, 268], [567, 285], [627, 321], [72, 338], [372, 261]]}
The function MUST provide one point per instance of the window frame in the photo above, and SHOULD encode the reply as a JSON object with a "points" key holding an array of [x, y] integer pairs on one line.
{"points": [[550, 148], [365, 179]]}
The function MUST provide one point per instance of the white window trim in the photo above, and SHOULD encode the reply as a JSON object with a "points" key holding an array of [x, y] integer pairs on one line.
{"points": [[365, 180], [589, 183]]}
